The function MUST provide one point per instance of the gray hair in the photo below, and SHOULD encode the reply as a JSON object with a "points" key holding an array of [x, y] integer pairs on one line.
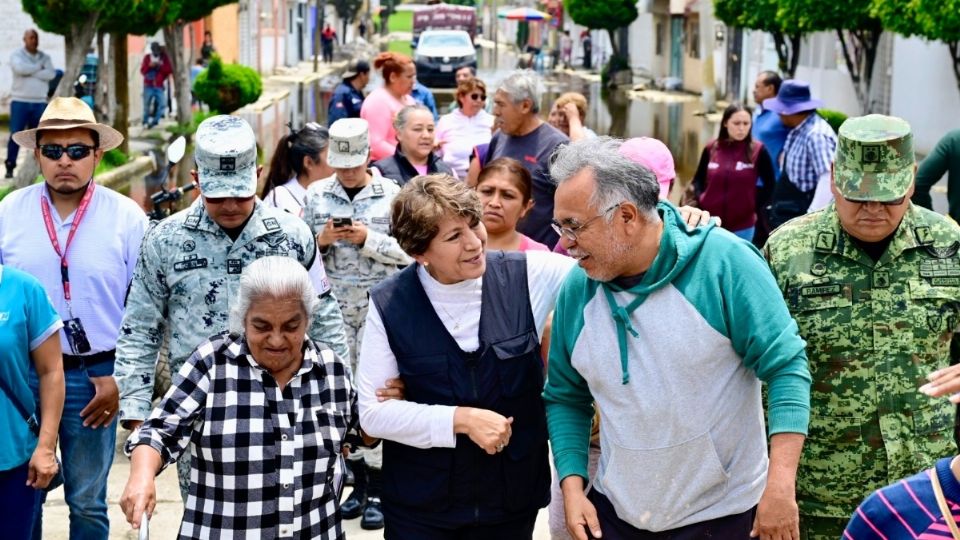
{"points": [[617, 178], [400, 120], [524, 84], [272, 277]]}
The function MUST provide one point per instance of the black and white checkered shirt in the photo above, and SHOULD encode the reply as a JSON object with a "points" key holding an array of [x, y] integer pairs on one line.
{"points": [[265, 463]]}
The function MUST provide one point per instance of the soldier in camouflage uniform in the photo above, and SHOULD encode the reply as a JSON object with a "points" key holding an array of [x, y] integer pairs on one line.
{"points": [[350, 214], [190, 264], [874, 284]]}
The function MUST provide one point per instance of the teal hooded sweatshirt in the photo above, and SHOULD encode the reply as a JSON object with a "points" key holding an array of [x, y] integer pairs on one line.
{"points": [[675, 366]]}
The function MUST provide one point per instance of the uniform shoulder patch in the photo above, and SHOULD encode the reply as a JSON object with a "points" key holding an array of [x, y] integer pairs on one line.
{"points": [[826, 241], [271, 224]]}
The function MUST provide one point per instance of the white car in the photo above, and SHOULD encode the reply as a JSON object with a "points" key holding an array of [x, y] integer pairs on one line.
{"points": [[440, 53]]}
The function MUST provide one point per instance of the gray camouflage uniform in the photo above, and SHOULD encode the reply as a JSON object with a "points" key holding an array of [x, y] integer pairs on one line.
{"points": [[353, 269]]}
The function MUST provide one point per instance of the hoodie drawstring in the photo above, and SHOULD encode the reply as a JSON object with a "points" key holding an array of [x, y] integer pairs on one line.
{"points": [[621, 315]]}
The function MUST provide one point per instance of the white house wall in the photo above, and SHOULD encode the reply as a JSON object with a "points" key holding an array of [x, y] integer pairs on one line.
{"points": [[924, 90]]}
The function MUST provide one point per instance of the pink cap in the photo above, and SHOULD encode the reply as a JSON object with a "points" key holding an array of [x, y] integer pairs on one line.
{"points": [[654, 155]]}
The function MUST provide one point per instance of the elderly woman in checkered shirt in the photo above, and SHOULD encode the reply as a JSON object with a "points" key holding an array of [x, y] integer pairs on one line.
{"points": [[265, 412]]}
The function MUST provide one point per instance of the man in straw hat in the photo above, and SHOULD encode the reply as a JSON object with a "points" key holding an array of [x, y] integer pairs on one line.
{"points": [[189, 268], [874, 284], [81, 241]]}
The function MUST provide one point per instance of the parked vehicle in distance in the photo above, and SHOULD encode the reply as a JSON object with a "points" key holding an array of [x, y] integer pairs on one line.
{"points": [[440, 53]]}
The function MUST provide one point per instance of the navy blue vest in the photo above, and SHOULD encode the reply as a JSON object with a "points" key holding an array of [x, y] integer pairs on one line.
{"points": [[452, 487]]}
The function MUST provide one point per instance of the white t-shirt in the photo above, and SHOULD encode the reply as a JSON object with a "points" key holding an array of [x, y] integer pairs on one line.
{"points": [[429, 426], [290, 197]]}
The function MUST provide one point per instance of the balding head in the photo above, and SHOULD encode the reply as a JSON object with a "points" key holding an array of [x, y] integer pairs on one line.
{"points": [[31, 40]]}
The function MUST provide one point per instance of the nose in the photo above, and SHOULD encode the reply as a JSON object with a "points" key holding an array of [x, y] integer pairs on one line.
{"points": [[566, 243], [472, 241]]}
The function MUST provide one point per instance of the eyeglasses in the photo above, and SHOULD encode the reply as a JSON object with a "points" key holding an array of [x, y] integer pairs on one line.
{"points": [[895, 202], [75, 152], [478, 97], [571, 233]]}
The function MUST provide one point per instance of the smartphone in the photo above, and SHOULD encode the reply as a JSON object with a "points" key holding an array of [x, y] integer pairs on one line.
{"points": [[342, 222]]}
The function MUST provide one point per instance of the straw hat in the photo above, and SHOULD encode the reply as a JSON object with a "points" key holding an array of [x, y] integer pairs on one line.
{"points": [[68, 113]]}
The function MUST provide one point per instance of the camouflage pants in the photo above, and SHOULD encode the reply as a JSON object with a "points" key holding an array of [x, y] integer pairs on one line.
{"points": [[822, 528], [353, 304]]}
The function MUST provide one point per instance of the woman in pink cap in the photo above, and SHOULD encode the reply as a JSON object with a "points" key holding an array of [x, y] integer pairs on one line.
{"points": [[654, 155]]}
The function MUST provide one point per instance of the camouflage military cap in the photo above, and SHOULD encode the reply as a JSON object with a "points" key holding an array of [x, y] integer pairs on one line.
{"points": [[874, 159], [226, 156]]}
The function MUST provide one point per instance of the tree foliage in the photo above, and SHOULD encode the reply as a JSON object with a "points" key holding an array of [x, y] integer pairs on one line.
{"points": [[347, 10], [762, 15], [857, 29], [227, 87], [141, 17], [930, 19], [609, 15]]}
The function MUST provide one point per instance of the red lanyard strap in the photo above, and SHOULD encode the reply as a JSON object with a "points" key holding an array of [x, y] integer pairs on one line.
{"points": [[52, 233]]}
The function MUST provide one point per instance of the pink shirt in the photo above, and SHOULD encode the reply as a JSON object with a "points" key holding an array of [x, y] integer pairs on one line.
{"points": [[529, 244], [379, 110]]}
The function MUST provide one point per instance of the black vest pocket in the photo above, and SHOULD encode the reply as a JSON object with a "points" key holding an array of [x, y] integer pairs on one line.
{"points": [[416, 478], [518, 365]]}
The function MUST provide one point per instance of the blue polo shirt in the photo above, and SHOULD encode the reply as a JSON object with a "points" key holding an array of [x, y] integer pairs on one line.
{"points": [[27, 319], [768, 129]]}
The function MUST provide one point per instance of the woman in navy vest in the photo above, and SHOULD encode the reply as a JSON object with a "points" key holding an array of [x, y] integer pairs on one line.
{"points": [[465, 455], [735, 177]]}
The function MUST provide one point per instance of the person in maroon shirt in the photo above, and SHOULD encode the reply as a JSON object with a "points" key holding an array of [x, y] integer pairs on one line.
{"points": [[735, 177], [155, 68]]}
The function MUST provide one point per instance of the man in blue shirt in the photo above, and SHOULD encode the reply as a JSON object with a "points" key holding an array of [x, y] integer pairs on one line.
{"points": [[348, 96], [81, 241], [422, 95], [767, 127]]}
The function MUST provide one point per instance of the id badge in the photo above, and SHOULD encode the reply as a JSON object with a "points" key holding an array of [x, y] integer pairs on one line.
{"points": [[76, 336]]}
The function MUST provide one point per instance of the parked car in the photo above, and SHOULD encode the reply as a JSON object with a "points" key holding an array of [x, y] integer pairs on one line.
{"points": [[440, 53]]}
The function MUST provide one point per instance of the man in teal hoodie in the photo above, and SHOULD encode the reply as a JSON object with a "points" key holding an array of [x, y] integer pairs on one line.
{"points": [[670, 333]]}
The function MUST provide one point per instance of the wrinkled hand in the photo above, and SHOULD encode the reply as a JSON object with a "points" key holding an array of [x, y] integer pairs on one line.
{"points": [[329, 234], [42, 468], [139, 496], [695, 217], [489, 430], [392, 389], [355, 234], [581, 516], [943, 382], [105, 405], [778, 517]]}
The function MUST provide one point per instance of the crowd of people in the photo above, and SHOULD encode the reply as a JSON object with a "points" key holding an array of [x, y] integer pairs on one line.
{"points": [[433, 305]]}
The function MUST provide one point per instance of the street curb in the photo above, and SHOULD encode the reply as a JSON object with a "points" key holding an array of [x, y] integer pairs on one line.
{"points": [[119, 179]]}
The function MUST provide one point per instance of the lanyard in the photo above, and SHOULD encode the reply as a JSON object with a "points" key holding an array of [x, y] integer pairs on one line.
{"points": [[52, 233]]}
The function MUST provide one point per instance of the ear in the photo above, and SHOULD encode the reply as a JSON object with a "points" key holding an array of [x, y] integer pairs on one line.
{"points": [[628, 214], [526, 208], [526, 106], [196, 180], [833, 182]]}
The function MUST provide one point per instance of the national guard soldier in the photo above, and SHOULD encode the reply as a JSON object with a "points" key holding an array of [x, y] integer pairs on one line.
{"points": [[350, 214], [874, 284], [190, 264]]}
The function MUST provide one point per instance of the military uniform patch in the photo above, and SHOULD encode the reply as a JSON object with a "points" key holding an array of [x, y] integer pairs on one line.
{"points": [[818, 269], [826, 241], [881, 279], [234, 266], [931, 268], [923, 235], [188, 246], [820, 290], [271, 224], [190, 263]]}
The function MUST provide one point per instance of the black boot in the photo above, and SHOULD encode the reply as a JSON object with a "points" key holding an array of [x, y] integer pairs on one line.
{"points": [[348, 478], [10, 167], [372, 513], [353, 506]]}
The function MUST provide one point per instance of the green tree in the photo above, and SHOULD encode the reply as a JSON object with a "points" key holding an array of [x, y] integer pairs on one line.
{"points": [[930, 19], [762, 15], [857, 29], [609, 15], [227, 87]]}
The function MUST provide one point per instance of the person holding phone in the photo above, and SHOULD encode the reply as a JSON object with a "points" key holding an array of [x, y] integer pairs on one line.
{"points": [[350, 214]]}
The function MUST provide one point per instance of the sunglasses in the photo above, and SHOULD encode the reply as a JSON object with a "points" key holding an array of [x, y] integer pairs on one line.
{"points": [[895, 202], [478, 97], [75, 152]]}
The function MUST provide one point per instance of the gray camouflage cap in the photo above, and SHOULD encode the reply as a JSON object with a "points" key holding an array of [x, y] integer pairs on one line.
{"points": [[226, 156], [874, 159]]}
